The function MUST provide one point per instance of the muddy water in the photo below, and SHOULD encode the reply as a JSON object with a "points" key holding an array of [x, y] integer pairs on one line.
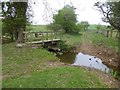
{"points": [[81, 59], [67, 57]]}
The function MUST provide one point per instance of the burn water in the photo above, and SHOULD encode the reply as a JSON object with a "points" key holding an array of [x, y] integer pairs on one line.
{"points": [[80, 59]]}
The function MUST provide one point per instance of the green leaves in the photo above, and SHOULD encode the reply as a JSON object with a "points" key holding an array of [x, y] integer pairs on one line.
{"points": [[15, 18], [66, 18]]}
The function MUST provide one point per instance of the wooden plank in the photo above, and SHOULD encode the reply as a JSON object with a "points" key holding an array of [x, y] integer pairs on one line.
{"points": [[37, 32], [45, 41]]}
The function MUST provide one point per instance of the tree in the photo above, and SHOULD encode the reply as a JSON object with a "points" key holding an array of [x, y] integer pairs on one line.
{"points": [[20, 20], [66, 18], [111, 13], [7, 20], [15, 19]]}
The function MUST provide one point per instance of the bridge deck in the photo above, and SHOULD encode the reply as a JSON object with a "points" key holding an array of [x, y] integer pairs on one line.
{"points": [[44, 41]]}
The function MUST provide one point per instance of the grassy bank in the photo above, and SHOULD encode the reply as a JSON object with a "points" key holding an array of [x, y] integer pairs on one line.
{"points": [[19, 61], [62, 77], [72, 39], [29, 67]]}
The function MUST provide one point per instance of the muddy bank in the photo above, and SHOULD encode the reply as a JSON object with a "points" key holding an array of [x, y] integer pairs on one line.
{"points": [[108, 56]]}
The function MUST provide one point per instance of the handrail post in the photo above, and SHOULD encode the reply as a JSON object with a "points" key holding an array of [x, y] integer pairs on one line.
{"points": [[42, 38], [47, 35], [52, 36]]}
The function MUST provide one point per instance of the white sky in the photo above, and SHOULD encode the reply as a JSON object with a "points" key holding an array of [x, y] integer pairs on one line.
{"points": [[85, 10]]}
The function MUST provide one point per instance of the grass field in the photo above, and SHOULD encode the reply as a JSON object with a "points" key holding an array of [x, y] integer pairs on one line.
{"points": [[62, 77], [96, 38], [72, 39], [92, 27], [37, 28]]}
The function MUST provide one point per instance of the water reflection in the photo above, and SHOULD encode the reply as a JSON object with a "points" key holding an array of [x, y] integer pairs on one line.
{"points": [[81, 59], [90, 61]]}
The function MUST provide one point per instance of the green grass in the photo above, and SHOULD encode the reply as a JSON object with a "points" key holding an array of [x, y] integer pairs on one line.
{"points": [[62, 77], [92, 27], [37, 28], [110, 42], [25, 67], [17, 61], [72, 39]]}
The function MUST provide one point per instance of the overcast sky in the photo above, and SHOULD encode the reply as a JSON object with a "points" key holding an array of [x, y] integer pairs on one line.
{"points": [[85, 10]]}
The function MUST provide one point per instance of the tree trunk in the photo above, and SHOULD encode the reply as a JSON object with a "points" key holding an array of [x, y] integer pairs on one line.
{"points": [[20, 38]]}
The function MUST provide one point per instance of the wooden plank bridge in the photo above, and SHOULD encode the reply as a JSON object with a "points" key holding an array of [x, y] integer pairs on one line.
{"points": [[42, 37]]}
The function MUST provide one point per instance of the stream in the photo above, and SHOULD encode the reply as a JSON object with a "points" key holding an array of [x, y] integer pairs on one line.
{"points": [[80, 59]]}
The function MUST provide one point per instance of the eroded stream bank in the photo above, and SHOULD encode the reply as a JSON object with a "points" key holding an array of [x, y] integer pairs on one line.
{"points": [[89, 55]]}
